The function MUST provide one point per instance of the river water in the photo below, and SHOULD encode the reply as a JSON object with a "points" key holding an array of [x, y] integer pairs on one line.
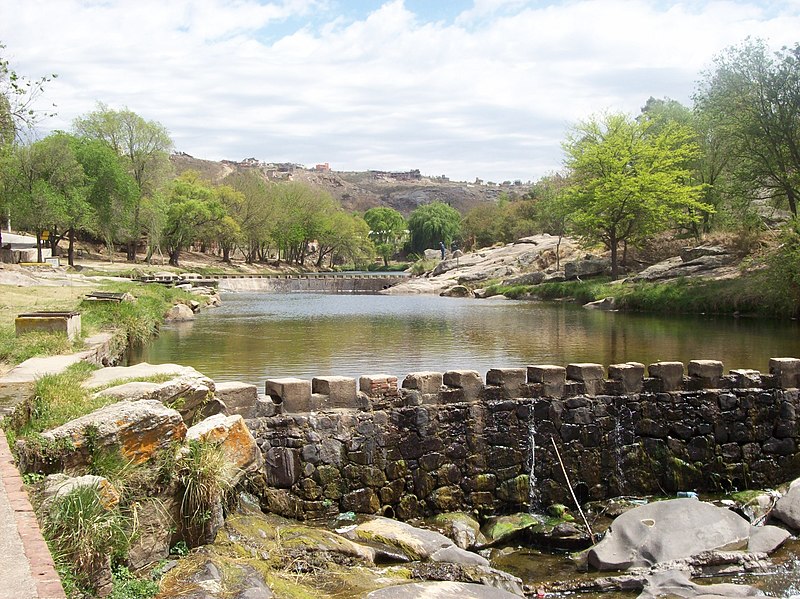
{"points": [[257, 335]]}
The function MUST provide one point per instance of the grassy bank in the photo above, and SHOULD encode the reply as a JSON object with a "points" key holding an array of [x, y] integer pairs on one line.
{"points": [[749, 295], [133, 321]]}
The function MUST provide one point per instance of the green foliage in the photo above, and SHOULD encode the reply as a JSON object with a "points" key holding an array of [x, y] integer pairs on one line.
{"points": [[749, 100], [431, 224], [203, 476], [85, 532], [128, 586], [783, 268], [422, 266], [387, 230], [630, 180]]}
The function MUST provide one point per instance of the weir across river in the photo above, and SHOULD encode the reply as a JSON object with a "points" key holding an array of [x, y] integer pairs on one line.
{"points": [[357, 282]]}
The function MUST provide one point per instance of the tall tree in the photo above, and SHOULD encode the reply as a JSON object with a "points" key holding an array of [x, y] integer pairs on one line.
{"points": [[18, 96], [751, 98], [432, 224], [145, 147], [254, 214], [629, 182], [387, 228]]}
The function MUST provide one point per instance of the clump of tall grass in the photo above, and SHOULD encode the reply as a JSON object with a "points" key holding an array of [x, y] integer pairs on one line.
{"points": [[85, 533], [204, 476], [14, 350]]}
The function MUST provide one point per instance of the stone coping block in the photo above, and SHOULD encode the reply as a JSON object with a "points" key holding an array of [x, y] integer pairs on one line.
{"points": [[591, 375], [294, 394], [786, 371], [709, 372], [239, 398], [552, 378], [342, 391], [469, 381], [747, 378], [629, 374], [669, 373], [378, 385], [510, 379], [424, 382]]}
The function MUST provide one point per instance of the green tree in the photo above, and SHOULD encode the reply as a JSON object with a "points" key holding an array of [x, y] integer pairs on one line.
{"points": [[302, 214], [110, 189], [550, 211], [193, 206], [144, 146], [387, 229], [432, 224], [750, 99], [254, 215], [346, 238], [629, 182], [46, 185]]}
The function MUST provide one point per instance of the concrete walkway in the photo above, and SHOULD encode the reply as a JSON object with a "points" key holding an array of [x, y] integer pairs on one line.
{"points": [[27, 570]]}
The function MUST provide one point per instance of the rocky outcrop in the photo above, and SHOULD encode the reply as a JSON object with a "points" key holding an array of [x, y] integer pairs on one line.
{"points": [[588, 266], [138, 430], [702, 261], [190, 392], [527, 255]]}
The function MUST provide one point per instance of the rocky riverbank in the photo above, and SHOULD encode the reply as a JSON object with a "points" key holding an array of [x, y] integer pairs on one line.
{"points": [[173, 460]]}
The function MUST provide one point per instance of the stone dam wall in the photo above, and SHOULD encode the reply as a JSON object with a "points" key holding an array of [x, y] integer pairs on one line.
{"points": [[310, 283], [453, 441]]}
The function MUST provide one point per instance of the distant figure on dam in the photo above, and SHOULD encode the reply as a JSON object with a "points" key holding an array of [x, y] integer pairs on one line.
{"points": [[442, 248]]}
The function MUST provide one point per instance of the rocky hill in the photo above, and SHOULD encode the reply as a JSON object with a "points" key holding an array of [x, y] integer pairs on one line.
{"points": [[359, 191]]}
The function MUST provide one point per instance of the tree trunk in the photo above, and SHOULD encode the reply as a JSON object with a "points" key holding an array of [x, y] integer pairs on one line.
{"points": [[71, 246], [558, 252], [226, 254], [130, 251], [614, 266], [173, 257], [790, 195]]}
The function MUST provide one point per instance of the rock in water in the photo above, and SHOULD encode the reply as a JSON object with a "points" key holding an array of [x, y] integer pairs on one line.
{"points": [[668, 530], [441, 590], [787, 509]]}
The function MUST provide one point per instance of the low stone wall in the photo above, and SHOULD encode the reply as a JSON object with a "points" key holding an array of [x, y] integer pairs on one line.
{"points": [[449, 441], [311, 283]]}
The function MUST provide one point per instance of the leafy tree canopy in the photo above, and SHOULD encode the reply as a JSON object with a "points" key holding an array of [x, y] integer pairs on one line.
{"points": [[432, 224]]}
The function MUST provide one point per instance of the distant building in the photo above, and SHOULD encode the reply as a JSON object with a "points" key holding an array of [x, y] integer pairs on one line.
{"points": [[412, 175], [323, 168]]}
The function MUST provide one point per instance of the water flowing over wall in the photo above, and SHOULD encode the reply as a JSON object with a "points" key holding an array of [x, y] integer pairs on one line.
{"points": [[311, 283], [450, 441]]}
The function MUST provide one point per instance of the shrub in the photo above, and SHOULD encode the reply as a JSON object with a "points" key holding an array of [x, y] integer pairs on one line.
{"points": [[203, 474]]}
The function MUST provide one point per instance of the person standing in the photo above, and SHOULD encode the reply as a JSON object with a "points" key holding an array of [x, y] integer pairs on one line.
{"points": [[442, 248]]}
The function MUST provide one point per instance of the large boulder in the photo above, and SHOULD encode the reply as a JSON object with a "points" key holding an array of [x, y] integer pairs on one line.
{"points": [[787, 508], [668, 530], [179, 313], [590, 266], [416, 543], [234, 438], [676, 583], [138, 430]]}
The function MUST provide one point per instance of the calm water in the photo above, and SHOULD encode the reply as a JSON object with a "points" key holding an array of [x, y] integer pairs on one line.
{"points": [[255, 336]]}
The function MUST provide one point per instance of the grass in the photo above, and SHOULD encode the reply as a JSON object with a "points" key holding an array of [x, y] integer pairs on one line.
{"points": [[750, 295]]}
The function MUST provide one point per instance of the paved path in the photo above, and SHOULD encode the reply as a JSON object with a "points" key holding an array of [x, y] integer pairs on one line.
{"points": [[27, 570]]}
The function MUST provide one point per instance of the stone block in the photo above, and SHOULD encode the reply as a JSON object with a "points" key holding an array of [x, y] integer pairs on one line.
{"points": [[378, 385], [707, 372], [469, 381], [510, 379], [67, 323], [293, 394], [630, 375], [342, 391], [265, 407], [240, 398], [747, 378], [551, 377], [786, 371], [669, 374], [591, 375], [424, 382]]}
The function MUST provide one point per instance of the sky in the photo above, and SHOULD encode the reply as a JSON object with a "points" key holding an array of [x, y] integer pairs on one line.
{"points": [[463, 88]]}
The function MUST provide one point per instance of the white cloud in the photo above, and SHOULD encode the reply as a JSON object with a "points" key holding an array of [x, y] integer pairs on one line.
{"points": [[487, 94]]}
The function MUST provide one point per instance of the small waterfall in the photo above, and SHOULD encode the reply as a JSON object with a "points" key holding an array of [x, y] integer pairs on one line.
{"points": [[619, 444], [533, 497]]}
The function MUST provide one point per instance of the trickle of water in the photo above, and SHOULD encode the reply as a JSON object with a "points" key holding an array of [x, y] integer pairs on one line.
{"points": [[533, 498], [619, 430]]}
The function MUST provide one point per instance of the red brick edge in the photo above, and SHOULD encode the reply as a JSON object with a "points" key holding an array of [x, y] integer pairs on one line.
{"points": [[48, 584]]}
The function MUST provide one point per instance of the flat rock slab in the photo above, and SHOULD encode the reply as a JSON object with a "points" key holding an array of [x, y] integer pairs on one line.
{"points": [[106, 376], [675, 583], [441, 590], [18, 382]]}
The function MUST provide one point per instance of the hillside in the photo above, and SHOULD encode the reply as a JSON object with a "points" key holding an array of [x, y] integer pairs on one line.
{"points": [[359, 191]]}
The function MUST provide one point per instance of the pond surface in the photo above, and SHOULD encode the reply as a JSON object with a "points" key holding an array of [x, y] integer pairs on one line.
{"points": [[257, 335]]}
